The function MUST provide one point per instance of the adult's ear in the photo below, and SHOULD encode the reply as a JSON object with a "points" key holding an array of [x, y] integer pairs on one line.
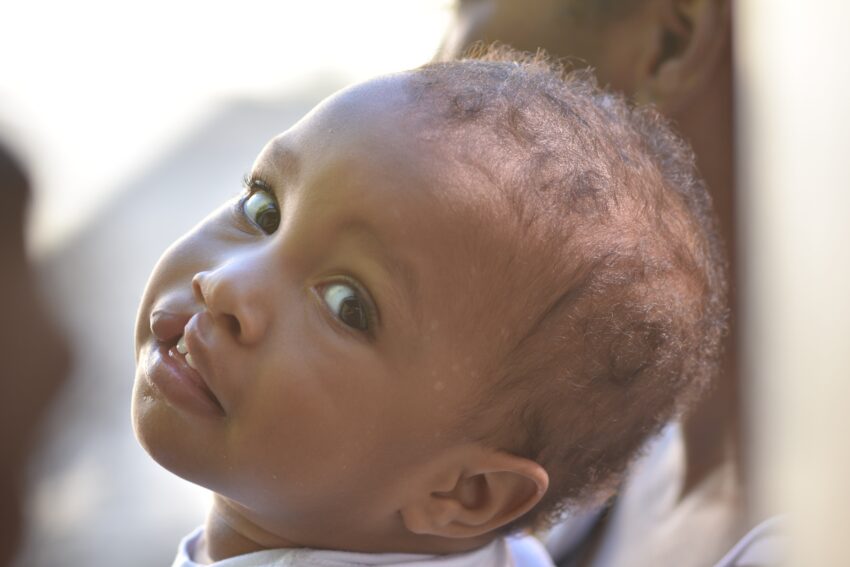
{"points": [[477, 494], [690, 42]]}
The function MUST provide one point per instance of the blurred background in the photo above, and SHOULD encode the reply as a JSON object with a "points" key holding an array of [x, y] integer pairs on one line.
{"points": [[137, 118]]}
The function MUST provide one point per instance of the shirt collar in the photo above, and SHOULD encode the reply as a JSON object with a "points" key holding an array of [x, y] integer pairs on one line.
{"points": [[494, 554]]}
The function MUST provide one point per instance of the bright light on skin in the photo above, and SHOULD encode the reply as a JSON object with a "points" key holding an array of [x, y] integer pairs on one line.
{"points": [[98, 90]]}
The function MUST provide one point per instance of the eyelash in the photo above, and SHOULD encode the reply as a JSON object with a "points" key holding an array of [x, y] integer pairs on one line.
{"points": [[251, 184]]}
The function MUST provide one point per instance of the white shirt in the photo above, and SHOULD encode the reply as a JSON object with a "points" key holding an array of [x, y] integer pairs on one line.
{"points": [[764, 545], [511, 552], [651, 525]]}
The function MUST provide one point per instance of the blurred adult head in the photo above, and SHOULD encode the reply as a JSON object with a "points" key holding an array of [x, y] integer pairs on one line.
{"points": [[34, 357], [672, 53]]}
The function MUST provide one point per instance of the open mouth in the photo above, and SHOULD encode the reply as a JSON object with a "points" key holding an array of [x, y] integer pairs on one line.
{"points": [[183, 350], [184, 364]]}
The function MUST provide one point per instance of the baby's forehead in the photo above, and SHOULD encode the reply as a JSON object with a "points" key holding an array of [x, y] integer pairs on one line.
{"points": [[438, 192]]}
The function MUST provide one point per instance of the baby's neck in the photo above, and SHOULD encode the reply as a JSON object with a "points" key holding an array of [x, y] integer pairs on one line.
{"points": [[228, 534]]}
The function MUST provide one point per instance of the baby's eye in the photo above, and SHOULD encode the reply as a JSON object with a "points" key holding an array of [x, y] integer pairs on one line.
{"points": [[345, 303], [261, 209]]}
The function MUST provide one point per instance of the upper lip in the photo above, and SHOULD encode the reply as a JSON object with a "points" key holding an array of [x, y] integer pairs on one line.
{"points": [[167, 326]]}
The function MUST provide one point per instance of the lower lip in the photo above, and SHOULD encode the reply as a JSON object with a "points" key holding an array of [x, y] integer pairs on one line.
{"points": [[181, 385]]}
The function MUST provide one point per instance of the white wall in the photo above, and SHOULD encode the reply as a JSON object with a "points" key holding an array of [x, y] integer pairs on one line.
{"points": [[95, 89], [794, 95]]}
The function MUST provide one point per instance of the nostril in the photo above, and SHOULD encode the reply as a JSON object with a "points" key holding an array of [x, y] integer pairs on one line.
{"points": [[229, 299], [197, 288], [232, 324]]}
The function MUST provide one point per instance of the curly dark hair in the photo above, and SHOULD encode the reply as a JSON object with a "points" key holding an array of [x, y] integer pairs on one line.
{"points": [[630, 334]]}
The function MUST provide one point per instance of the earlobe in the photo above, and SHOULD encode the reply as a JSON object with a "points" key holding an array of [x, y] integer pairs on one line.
{"points": [[494, 490], [691, 40]]}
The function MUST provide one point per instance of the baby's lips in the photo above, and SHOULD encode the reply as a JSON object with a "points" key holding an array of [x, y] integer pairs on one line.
{"points": [[167, 326]]}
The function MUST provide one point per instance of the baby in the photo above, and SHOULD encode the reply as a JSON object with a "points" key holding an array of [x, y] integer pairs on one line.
{"points": [[449, 304]]}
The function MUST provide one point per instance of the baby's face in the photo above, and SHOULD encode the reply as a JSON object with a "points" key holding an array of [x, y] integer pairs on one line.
{"points": [[309, 347]]}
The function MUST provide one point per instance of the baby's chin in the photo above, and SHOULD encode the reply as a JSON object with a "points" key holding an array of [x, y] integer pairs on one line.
{"points": [[150, 423], [164, 434]]}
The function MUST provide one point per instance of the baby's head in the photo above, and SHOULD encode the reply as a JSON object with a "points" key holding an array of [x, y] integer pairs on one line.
{"points": [[448, 303]]}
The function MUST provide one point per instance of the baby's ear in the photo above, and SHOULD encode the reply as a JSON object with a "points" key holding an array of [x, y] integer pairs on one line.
{"points": [[476, 494]]}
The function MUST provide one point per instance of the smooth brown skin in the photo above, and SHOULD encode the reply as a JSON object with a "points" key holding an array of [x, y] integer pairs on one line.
{"points": [[331, 437], [675, 54], [35, 358]]}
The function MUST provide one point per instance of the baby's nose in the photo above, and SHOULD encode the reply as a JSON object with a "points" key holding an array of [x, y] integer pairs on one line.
{"points": [[236, 294]]}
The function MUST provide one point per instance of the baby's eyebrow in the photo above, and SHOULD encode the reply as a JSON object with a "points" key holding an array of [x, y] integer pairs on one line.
{"points": [[395, 267], [276, 162]]}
